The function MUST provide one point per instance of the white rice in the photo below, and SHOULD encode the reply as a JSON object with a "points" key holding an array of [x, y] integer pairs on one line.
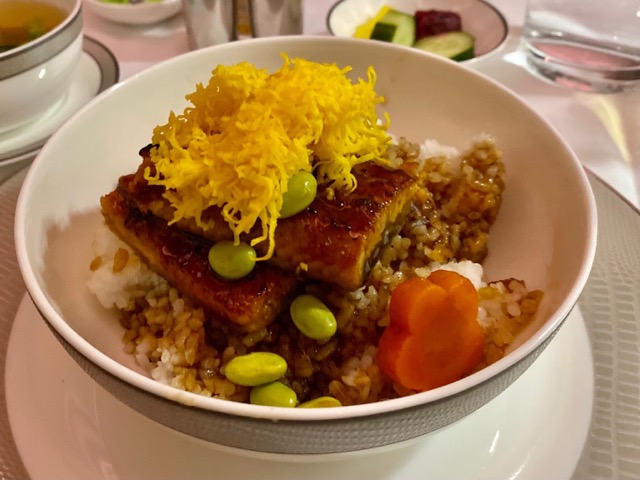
{"points": [[134, 281]]}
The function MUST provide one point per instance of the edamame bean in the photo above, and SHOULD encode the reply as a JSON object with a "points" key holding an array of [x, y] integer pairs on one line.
{"points": [[275, 394], [312, 317], [232, 261], [301, 190], [321, 402], [257, 368]]}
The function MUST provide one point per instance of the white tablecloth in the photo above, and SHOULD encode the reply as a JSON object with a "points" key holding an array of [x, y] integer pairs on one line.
{"points": [[138, 48]]}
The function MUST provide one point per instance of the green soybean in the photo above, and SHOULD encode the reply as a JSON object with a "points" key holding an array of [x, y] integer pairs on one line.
{"points": [[257, 368], [321, 402], [301, 190], [275, 394], [232, 261], [312, 317]]}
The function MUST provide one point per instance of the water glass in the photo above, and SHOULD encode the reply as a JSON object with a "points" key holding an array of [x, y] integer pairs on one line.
{"points": [[586, 45], [276, 17]]}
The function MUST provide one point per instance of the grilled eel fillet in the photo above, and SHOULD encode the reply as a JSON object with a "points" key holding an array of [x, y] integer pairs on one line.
{"points": [[335, 241], [249, 303]]}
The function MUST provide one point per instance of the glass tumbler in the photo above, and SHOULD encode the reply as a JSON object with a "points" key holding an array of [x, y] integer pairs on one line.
{"points": [[586, 45]]}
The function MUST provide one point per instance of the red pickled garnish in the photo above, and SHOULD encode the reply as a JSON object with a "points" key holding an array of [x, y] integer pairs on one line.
{"points": [[435, 22]]}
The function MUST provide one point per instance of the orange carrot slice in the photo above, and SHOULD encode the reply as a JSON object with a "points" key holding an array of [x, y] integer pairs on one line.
{"points": [[433, 337]]}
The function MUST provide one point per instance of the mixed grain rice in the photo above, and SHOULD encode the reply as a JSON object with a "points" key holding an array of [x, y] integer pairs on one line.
{"points": [[448, 228]]}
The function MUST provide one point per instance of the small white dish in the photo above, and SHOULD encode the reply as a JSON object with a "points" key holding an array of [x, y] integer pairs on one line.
{"points": [[96, 70], [479, 18], [144, 13]]}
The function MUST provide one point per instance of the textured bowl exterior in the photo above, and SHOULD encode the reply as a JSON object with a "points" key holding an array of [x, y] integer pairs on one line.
{"points": [[34, 78], [288, 438], [427, 97]]}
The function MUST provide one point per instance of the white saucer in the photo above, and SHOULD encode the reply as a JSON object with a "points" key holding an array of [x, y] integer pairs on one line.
{"points": [[96, 71], [67, 427]]}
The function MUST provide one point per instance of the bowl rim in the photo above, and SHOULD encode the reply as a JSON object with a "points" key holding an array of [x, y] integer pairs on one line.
{"points": [[44, 48], [145, 383], [490, 6], [141, 6], [136, 14]]}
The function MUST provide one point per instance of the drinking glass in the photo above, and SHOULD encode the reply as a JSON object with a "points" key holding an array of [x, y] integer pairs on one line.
{"points": [[212, 22], [588, 45], [593, 47]]}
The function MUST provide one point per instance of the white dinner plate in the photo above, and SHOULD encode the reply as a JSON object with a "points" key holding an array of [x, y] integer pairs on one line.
{"points": [[79, 431], [55, 423], [96, 71]]}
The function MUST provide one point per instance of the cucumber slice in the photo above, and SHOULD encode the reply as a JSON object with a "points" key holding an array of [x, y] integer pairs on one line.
{"points": [[395, 27], [457, 46]]}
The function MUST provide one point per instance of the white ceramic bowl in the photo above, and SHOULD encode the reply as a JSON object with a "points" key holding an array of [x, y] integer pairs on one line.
{"points": [[143, 13], [545, 234], [35, 76], [479, 18]]}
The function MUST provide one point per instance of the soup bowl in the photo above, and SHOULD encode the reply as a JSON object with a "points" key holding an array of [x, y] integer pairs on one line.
{"points": [[545, 234], [34, 76]]}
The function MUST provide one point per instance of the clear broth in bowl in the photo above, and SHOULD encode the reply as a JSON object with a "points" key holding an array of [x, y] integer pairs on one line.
{"points": [[24, 21]]}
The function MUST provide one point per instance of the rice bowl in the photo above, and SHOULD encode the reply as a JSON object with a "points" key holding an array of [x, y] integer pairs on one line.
{"points": [[562, 239]]}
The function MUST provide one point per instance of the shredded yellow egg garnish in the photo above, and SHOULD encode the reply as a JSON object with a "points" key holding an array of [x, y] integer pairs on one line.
{"points": [[248, 132]]}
